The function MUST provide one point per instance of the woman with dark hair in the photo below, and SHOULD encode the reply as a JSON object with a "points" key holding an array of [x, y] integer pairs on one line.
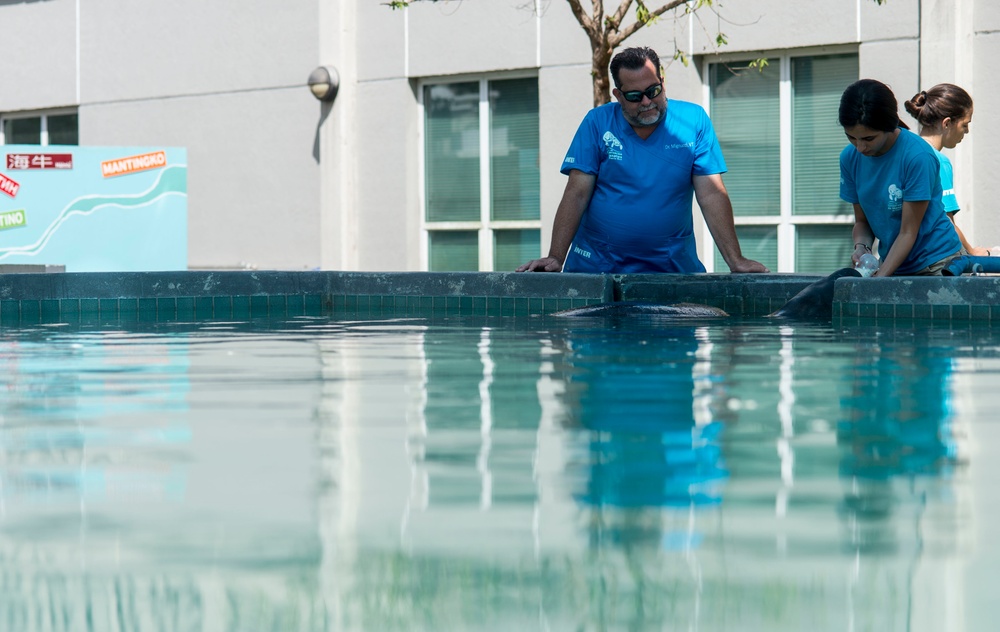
{"points": [[944, 113], [891, 177]]}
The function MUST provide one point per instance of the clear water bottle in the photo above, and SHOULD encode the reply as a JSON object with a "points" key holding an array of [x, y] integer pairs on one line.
{"points": [[867, 264]]}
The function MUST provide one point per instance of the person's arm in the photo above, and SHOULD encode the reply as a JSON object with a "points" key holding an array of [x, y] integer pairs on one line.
{"points": [[864, 238], [913, 214], [575, 199], [718, 212], [972, 250]]}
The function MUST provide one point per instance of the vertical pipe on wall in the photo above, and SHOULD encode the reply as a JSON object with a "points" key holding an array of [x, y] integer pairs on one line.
{"points": [[77, 52], [786, 247], [485, 184], [538, 33], [857, 20], [338, 229], [347, 131], [920, 38], [328, 209], [965, 167]]}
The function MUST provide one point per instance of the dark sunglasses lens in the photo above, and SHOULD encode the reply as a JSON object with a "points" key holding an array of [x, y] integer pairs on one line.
{"points": [[634, 96]]}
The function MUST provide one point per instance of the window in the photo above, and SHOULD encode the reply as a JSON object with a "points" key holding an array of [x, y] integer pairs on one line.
{"points": [[40, 129], [779, 134], [481, 175]]}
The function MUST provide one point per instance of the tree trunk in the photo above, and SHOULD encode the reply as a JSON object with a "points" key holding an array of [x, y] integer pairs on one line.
{"points": [[601, 59]]}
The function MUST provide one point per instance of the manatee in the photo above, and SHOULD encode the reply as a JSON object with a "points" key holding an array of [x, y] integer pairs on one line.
{"points": [[815, 301], [639, 308]]}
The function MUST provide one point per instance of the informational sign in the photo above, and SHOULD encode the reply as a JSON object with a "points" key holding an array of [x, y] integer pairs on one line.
{"points": [[94, 209]]}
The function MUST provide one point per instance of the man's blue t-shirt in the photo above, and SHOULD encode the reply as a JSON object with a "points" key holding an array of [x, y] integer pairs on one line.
{"points": [[908, 172], [639, 218]]}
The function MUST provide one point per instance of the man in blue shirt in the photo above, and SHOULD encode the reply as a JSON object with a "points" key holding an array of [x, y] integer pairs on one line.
{"points": [[633, 167]]}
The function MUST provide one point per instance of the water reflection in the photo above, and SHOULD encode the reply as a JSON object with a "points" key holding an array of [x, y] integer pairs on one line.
{"points": [[897, 417], [136, 481], [488, 475], [900, 453], [637, 403]]}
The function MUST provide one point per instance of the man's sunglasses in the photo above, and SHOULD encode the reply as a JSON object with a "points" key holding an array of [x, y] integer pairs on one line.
{"points": [[634, 96]]}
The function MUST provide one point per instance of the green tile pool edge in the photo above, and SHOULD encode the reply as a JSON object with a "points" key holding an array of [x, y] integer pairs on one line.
{"points": [[386, 305], [736, 296], [905, 312], [181, 308], [242, 307]]}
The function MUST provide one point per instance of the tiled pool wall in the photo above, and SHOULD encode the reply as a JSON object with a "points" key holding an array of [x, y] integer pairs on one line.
{"points": [[56, 297], [955, 299], [238, 295]]}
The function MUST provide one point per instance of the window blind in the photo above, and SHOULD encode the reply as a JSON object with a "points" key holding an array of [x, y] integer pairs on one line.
{"points": [[514, 175], [817, 137], [746, 115], [822, 249], [452, 151], [759, 243], [511, 248], [453, 250]]}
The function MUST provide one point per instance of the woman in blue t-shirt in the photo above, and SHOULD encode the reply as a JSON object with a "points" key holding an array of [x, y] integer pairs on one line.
{"points": [[944, 113], [892, 178]]}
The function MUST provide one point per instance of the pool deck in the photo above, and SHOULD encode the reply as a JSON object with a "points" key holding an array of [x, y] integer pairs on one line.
{"points": [[28, 297]]}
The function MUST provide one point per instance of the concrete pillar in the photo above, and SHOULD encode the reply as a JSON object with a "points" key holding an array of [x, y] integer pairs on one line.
{"points": [[335, 137]]}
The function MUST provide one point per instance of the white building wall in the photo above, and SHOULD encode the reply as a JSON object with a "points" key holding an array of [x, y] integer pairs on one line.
{"points": [[977, 167], [37, 71], [278, 180], [225, 79]]}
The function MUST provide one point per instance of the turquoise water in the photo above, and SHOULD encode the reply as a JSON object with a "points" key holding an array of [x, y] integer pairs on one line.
{"points": [[504, 474]]}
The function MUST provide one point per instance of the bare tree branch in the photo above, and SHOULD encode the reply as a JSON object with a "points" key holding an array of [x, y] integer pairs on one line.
{"points": [[615, 21], [598, 15], [606, 33], [638, 24]]}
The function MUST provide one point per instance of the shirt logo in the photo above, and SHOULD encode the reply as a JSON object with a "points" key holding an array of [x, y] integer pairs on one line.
{"points": [[895, 200], [613, 146]]}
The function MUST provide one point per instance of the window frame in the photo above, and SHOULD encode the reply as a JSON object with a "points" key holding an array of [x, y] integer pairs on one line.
{"points": [[785, 221], [484, 226], [44, 115]]}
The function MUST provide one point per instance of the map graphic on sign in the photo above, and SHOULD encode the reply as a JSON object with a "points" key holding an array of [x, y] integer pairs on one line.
{"points": [[94, 209]]}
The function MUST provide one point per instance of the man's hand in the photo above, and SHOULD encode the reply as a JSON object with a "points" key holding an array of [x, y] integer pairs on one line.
{"points": [[744, 265], [547, 264]]}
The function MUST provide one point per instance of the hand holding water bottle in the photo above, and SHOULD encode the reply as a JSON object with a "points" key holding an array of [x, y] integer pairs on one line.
{"points": [[867, 265]]}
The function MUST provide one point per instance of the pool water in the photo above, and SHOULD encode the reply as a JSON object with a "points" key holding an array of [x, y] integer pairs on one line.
{"points": [[499, 474]]}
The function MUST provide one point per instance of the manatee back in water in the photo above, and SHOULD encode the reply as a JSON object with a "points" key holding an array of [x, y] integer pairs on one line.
{"points": [[815, 301], [639, 308]]}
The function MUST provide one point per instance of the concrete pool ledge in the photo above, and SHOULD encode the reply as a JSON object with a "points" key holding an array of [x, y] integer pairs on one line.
{"points": [[236, 294], [958, 299], [228, 294], [963, 298], [738, 294]]}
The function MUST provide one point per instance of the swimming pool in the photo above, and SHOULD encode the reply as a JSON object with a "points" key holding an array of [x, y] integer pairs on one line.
{"points": [[490, 473]]}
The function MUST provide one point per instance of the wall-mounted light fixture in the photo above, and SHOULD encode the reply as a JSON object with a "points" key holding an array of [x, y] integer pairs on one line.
{"points": [[324, 82]]}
